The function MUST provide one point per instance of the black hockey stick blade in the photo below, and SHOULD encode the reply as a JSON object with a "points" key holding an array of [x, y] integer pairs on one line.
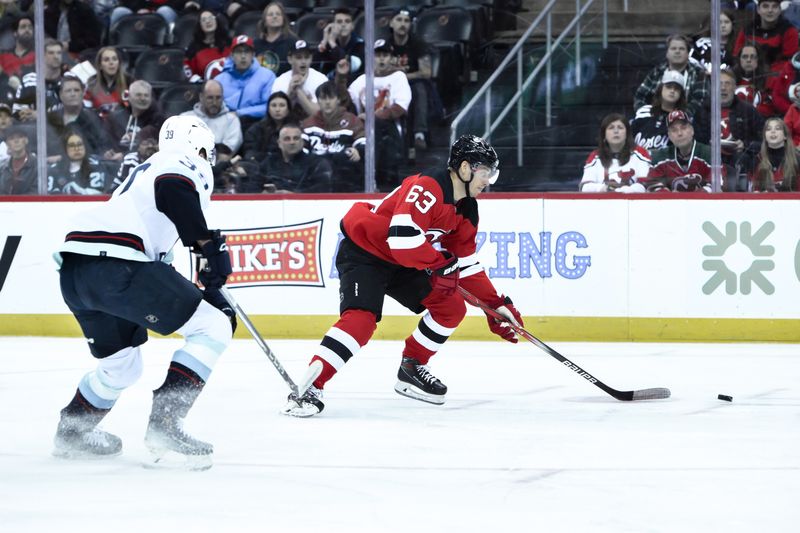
{"points": [[625, 396], [259, 339]]}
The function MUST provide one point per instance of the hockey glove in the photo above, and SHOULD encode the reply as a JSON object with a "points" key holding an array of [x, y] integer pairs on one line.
{"points": [[445, 277], [512, 315], [217, 267], [215, 298]]}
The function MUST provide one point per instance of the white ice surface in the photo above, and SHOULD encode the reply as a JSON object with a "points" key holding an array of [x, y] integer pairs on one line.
{"points": [[522, 444]]}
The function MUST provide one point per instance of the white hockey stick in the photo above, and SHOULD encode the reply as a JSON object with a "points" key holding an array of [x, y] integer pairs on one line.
{"points": [[259, 340]]}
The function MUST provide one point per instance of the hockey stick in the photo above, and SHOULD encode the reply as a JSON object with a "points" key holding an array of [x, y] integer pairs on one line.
{"points": [[625, 396], [259, 340]]}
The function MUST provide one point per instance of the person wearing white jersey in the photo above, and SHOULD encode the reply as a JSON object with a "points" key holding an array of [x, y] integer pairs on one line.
{"points": [[116, 280]]}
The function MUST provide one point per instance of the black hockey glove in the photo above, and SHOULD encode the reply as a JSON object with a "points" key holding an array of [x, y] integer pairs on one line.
{"points": [[215, 298], [445, 277], [214, 273]]}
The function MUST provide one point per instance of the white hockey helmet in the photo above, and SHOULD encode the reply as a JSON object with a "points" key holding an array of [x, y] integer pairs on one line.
{"points": [[187, 134]]}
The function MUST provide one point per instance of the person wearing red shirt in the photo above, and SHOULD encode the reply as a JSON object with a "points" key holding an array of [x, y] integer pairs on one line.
{"points": [[23, 54], [773, 32], [210, 42], [388, 249]]}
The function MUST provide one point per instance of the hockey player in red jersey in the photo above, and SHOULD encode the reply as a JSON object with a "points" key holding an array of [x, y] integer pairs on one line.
{"points": [[388, 250]]}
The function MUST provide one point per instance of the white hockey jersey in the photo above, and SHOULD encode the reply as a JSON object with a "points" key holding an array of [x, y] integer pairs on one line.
{"points": [[130, 225], [595, 176]]}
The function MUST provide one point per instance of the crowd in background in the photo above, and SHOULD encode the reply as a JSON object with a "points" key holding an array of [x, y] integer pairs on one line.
{"points": [[666, 146]]}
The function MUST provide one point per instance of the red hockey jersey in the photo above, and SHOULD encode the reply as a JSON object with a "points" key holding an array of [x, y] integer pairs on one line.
{"points": [[422, 211]]}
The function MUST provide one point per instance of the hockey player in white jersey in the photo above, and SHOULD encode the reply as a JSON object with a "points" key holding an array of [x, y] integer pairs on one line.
{"points": [[116, 281]]}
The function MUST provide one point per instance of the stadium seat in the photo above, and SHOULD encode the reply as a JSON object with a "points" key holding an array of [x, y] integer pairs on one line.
{"points": [[183, 31], [178, 98], [382, 18], [309, 27], [247, 24], [415, 4], [160, 67], [450, 30], [141, 30]]}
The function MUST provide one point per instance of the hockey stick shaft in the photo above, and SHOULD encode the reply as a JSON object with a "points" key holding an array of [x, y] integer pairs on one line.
{"points": [[259, 339], [643, 394]]}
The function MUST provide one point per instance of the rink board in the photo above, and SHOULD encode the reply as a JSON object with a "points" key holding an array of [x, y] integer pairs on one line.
{"points": [[579, 267]]}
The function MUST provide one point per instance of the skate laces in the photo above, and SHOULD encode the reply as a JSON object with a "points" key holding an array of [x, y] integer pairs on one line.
{"points": [[96, 438], [425, 374]]}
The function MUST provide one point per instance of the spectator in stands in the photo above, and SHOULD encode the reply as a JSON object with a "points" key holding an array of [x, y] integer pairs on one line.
{"points": [[291, 169], [246, 84], [617, 164], [78, 172], [775, 34], [741, 124], [125, 123], [340, 44], [775, 168], [6, 121], [338, 135], [148, 145], [649, 127], [779, 86], [106, 93], [71, 114], [275, 38], [10, 13], [678, 60], [392, 99], [701, 51], [18, 175], [225, 124], [792, 117], [23, 53], [751, 75], [262, 137], [301, 82], [209, 43], [413, 57], [73, 23], [686, 165], [25, 100], [165, 8]]}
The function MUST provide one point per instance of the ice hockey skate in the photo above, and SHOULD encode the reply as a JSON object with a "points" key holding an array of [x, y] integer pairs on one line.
{"points": [[307, 405], [416, 381], [169, 445], [77, 437]]}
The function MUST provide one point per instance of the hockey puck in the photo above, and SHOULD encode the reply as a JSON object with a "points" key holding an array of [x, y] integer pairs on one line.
{"points": [[724, 397]]}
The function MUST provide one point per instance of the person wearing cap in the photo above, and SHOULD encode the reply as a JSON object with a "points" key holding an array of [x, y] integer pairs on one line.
{"points": [[223, 122], [740, 129], [773, 32], [18, 175], [340, 44], [683, 167], [677, 59], [245, 83], [413, 57], [649, 126], [392, 100], [301, 82]]}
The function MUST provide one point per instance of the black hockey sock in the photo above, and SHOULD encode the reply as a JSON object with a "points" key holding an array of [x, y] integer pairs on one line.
{"points": [[79, 409], [180, 389]]}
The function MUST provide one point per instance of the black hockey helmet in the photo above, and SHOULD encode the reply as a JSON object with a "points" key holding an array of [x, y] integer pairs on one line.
{"points": [[476, 151]]}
